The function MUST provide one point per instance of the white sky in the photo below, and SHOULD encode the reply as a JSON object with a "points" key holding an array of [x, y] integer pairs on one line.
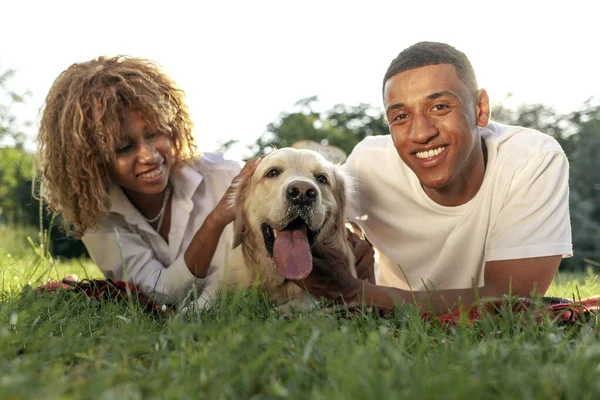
{"points": [[242, 63]]}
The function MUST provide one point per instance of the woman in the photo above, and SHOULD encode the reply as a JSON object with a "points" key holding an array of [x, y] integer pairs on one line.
{"points": [[116, 153]]}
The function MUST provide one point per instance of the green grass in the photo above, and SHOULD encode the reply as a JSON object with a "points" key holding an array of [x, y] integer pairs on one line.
{"points": [[68, 346]]}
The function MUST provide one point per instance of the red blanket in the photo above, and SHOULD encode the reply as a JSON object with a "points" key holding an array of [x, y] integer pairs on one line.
{"points": [[560, 309], [107, 290]]}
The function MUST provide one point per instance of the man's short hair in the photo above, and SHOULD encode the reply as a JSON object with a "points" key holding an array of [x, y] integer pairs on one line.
{"points": [[423, 54]]}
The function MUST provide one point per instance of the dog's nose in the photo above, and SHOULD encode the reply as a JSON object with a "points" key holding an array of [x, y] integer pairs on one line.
{"points": [[301, 193]]}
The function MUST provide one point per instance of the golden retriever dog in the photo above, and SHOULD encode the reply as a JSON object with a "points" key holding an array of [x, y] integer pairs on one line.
{"points": [[292, 206]]}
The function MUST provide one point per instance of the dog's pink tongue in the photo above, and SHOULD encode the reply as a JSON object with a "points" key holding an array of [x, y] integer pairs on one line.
{"points": [[291, 253]]}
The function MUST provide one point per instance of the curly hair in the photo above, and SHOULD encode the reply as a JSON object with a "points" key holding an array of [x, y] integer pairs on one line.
{"points": [[81, 128], [423, 54]]}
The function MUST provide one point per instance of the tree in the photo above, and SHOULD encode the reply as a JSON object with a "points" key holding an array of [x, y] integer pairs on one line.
{"points": [[16, 171], [342, 126], [9, 126], [16, 165], [17, 204], [585, 186], [585, 171], [542, 118]]}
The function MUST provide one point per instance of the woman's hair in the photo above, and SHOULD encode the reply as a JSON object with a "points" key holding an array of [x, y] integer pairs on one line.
{"points": [[81, 128]]}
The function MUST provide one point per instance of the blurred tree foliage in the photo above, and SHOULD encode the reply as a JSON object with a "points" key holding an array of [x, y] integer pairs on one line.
{"points": [[10, 126], [18, 206], [16, 170], [16, 165], [342, 126]]}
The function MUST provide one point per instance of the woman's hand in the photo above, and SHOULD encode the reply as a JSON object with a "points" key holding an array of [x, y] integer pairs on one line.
{"points": [[224, 214]]}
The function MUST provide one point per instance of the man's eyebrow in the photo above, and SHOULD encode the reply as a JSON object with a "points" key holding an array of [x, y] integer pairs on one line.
{"points": [[434, 96], [393, 107]]}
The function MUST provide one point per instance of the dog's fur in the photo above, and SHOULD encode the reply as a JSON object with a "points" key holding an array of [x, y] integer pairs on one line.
{"points": [[262, 200]]}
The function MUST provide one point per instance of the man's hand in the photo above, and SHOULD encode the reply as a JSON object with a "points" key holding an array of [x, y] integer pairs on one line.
{"points": [[331, 277], [365, 257]]}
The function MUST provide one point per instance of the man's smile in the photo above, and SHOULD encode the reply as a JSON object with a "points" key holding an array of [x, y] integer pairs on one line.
{"points": [[429, 153], [430, 157]]}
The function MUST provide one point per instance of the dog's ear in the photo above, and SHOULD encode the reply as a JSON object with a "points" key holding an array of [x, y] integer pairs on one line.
{"points": [[236, 201], [343, 190]]}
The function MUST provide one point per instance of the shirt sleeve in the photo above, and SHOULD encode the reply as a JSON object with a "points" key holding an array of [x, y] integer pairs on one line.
{"points": [[534, 220], [123, 255]]}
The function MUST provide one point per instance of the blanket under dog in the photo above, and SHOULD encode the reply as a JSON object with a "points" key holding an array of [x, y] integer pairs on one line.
{"points": [[559, 309], [106, 289]]}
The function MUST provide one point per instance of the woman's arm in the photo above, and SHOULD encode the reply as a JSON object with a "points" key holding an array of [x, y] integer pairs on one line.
{"points": [[202, 248]]}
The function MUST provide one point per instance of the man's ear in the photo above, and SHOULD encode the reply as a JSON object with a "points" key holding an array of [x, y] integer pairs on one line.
{"points": [[237, 201], [482, 110]]}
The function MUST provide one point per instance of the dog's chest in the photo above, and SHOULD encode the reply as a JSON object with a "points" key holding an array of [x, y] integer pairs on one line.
{"points": [[268, 276]]}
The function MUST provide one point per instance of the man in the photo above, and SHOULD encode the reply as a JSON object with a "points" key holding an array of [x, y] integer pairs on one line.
{"points": [[457, 206]]}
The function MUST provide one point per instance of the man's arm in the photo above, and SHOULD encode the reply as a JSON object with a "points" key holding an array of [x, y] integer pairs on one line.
{"points": [[523, 277]]}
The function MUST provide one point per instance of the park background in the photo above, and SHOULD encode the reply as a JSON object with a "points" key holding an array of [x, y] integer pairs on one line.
{"points": [[267, 73]]}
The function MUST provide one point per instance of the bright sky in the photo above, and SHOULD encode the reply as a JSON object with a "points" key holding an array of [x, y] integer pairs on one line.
{"points": [[242, 63]]}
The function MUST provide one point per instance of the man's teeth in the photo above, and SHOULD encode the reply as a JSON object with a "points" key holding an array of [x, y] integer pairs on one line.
{"points": [[153, 174], [430, 153]]}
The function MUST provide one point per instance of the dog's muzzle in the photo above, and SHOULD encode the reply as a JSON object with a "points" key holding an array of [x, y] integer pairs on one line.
{"points": [[290, 244]]}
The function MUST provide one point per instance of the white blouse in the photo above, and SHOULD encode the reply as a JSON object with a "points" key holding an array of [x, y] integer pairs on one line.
{"points": [[125, 246]]}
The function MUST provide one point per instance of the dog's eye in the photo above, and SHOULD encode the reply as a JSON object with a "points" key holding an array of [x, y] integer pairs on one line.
{"points": [[321, 179], [272, 173]]}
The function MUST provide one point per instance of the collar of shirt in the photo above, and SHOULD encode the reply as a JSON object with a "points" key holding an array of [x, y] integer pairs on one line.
{"points": [[185, 182]]}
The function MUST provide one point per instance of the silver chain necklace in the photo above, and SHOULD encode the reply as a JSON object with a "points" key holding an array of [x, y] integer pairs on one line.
{"points": [[161, 213]]}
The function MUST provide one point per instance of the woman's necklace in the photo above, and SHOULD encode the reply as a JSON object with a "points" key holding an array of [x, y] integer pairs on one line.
{"points": [[161, 213]]}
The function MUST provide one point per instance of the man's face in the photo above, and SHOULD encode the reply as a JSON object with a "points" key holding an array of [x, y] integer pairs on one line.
{"points": [[144, 157], [434, 121]]}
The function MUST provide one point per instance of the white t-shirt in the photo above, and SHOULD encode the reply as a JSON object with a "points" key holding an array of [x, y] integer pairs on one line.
{"points": [[151, 264], [520, 211]]}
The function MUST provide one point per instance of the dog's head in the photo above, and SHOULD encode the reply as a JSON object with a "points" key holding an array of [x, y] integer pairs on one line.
{"points": [[295, 198]]}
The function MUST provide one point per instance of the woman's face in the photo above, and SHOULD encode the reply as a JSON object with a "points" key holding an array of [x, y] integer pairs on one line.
{"points": [[143, 158]]}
